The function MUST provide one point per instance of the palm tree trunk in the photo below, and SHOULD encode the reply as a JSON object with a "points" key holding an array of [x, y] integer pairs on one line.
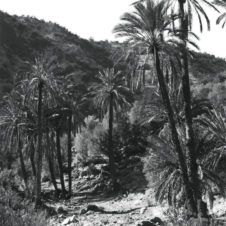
{"points": [[143, 75], [19, 150], [175, 138], [110, 143], [59, 158], [49, 155], [8, 151], [69, 152], [32, 153], [189, 133], [39, 153]]}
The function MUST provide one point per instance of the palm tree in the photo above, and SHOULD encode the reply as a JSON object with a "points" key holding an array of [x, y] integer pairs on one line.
{"points": [[56, 119], [222, 17], [70, 106], [42, 86], [74, 120], [215, 124], [185, 25], [50, 156], [162, 170], [112, 96], [13, 120], [185, 11], [146, 27]]}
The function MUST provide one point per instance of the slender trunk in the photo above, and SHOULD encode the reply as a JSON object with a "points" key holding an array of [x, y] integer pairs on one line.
{"points": [[32, 154], [49, 155], [110, 143], [39, 152], [175, 138], [69, 152], [19, 150], [8, 153], [143, 74], [133, 74], [189, 133], [59, 158]]}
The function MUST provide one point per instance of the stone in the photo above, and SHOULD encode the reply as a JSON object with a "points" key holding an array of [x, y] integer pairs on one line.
{"points": [[146, 223], [142, 210], [157, 221], [70, 220], [153, 222], [61, 210], [82, 211]]}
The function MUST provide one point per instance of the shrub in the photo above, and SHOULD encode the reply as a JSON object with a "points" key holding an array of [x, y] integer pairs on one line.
{"points": [[15, 210]]}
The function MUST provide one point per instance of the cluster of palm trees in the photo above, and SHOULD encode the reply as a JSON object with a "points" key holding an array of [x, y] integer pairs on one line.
{"points": [[42, 107], [34, 115], [163, 29]]}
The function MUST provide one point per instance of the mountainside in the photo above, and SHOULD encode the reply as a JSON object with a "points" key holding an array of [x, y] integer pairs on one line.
{"points": [[209, 77], [22, 39]]}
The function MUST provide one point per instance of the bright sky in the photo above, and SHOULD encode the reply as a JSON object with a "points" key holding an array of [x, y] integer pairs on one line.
{"points": [[96, 19]]}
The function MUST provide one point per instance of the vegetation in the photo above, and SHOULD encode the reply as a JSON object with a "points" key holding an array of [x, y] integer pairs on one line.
{"points": [[103, 118]]}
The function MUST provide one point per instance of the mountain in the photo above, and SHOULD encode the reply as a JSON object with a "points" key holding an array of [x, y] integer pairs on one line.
{"points": [[22, 39], [209, 77]]}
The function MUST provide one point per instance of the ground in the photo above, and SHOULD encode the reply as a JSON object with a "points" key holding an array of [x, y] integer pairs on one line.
{"points": [[135, 202], [125, 209]]}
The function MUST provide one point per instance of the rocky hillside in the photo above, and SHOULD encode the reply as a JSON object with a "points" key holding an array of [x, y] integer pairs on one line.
{"points": [[22, 39], [209, 77]]}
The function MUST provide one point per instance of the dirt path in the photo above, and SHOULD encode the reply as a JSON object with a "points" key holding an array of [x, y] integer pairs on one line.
{"points": [[135, 204]]}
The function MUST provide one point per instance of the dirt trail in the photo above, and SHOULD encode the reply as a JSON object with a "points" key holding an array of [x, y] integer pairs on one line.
{"points": [[135, 204]]}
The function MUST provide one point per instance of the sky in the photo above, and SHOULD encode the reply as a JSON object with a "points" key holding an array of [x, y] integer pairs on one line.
{"points": [[96, 19]]}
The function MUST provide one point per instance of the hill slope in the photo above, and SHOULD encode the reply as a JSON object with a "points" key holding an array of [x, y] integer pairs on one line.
{"points": [[22, 39]]}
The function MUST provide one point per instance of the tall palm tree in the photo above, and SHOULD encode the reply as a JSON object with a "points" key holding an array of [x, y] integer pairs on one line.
{"points": [[74, 120], [50, 156], [185, 25], [56, 118], [186, 9], [42, 86], [146, 28], [111, 96], [71, 105]]}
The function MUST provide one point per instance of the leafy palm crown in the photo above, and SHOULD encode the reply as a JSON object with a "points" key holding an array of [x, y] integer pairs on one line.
{"points": [[111, 83]]}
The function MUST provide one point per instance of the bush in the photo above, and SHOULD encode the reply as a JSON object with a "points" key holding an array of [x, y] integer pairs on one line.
{"points": [[14, 209], [177, 217]]}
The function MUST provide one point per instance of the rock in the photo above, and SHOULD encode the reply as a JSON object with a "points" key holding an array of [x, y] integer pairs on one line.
{"points": [[157, 221], [70, 220], [45, 178], [94, 208], [61, 210], [153, 222], [82, 211], [142, 210], [146, 223]]}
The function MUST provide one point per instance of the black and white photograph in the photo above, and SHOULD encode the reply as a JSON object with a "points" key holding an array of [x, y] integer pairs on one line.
{"points": [[113, 113]]}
